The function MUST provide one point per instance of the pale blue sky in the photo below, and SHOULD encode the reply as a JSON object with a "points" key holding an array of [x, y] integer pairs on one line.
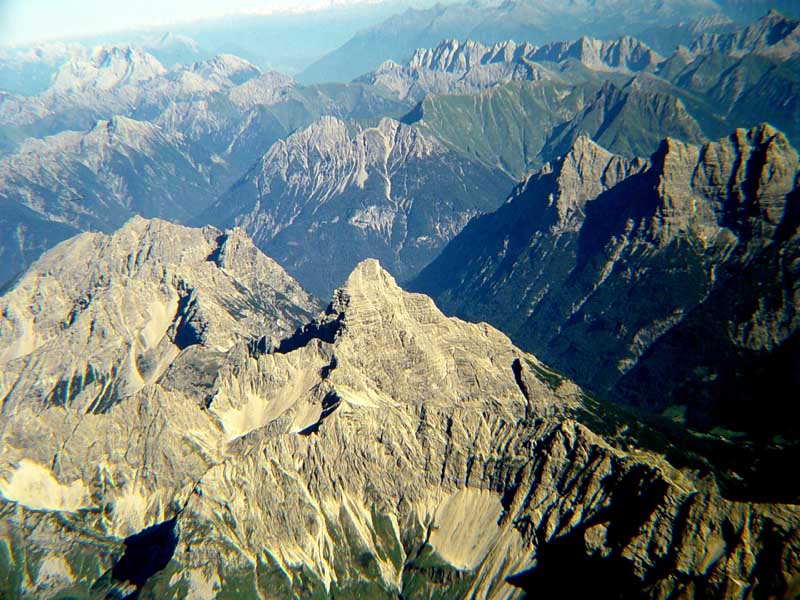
{"points": [[30, 20]]}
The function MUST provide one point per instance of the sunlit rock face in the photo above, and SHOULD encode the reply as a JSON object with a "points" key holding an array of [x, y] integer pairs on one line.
{"points": [[93, 337], [380, 449], [337, 192]]}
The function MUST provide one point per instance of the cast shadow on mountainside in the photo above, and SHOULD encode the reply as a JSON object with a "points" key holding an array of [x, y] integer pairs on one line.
{"points": [[568, 567], [146, 553]]}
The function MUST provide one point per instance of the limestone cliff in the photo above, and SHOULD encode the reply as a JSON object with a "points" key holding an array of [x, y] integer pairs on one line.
{"points": [[383, 449]]}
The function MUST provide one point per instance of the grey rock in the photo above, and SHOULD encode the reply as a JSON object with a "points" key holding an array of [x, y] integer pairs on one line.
{"points": [[607, 267], [387, 449], [462, 68], [336, 192], [99, 317], [97, 179]]}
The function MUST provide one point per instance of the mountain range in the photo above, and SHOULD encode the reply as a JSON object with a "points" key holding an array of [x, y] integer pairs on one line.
{"points": [[698, 240], [559, 245], [497, 112], [455, 68], [96, 180], [494, 112], [257, 466], [534, 21], [331, 194]]}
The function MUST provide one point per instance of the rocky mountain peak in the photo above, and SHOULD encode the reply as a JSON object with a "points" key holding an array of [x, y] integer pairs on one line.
{"points": [[703, 221], [106, 68], [773, 35], [580, 175], [452, 55], [348, 152], [625, 53], [124, 130], [226, 69], [375, 327], [758, 169], [119, 308], [369, 284], [90, 148], [267, 88], [755, 171]]}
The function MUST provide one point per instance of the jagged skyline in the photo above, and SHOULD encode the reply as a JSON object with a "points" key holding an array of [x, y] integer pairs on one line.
{"points": [[486, 300]]}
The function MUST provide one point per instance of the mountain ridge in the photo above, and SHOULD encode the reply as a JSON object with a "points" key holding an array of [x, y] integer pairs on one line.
{"points": [[511, 479], [703, 214], [354, 191], [455, 67], [97, 178]]}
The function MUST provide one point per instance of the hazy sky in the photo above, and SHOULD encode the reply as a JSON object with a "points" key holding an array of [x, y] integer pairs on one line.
{"points": [[29, 20]]}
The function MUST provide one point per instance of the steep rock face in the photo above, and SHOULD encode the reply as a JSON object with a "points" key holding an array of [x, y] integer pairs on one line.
{"points": [[99, 178], [625, 54], [100, 316], [382, 449], [335, 193], [600, 265]]}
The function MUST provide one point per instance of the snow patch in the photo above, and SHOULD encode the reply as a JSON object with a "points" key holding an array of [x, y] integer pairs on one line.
{"points": [[34, 486]]}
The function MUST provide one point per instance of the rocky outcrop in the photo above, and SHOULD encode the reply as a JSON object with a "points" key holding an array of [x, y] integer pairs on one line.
{"points": [[601, 264], [383, 449], [101, 316]]}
